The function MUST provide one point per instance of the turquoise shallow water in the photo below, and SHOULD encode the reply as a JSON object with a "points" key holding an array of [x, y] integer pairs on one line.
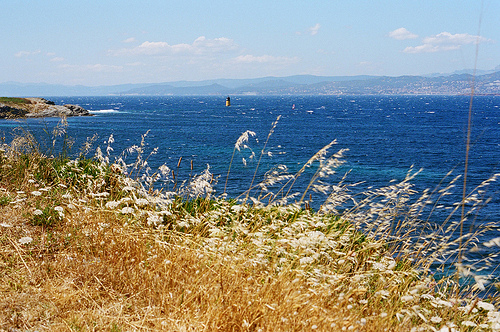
{"points": [[385, 136]]}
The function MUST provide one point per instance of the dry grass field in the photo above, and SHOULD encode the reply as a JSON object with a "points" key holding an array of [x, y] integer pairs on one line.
{"points": [[86, 247]]}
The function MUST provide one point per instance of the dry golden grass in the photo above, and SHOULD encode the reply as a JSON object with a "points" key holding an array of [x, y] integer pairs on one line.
{"points": [[84, 248]]}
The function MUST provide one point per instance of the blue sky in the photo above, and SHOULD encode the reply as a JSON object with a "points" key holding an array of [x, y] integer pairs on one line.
{"points": [[101, 42]]}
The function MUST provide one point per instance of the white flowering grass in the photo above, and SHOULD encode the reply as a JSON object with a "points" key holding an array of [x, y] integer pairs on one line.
{"points": [[123, 255]]}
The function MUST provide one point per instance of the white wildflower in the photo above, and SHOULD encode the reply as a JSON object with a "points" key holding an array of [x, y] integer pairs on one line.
{"points": [[182, 224], [442, 303], [485, 305], [25, 240], [38, 212], [383, 314], [389, 262], [383, 293], [306, 260], [407, 298], [436, 319], [450, 327], [31, 181], [127, 210], [165, 213], [60, 210], [5, 225], [141, 202], [378, 266], [154, 220], [468, 323], [36, 193], [112, 204], [427, 297], [100, 195], [238, 208]]}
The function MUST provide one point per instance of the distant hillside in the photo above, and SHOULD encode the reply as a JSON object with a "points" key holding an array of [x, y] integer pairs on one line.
{"points": [[167, 89], [316, 85], [455, 84]]}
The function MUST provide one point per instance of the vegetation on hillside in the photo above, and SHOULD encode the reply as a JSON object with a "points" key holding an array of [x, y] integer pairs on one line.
{"points": [[14, 101], [85, 246]]}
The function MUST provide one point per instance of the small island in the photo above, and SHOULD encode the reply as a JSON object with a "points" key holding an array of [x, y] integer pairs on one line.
{"points": [[15, 108]]}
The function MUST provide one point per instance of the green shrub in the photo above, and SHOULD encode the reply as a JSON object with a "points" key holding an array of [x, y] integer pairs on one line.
{"points": [[5, 200]]}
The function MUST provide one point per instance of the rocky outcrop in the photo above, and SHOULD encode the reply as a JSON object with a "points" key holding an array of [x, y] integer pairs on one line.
{"points": [[7, 112], [12, 108]]}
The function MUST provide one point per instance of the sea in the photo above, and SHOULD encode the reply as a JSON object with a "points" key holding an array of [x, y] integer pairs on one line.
{"points": [[386, 137]]}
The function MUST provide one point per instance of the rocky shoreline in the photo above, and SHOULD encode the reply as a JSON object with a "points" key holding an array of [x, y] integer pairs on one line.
{"points": [[15, 108]]}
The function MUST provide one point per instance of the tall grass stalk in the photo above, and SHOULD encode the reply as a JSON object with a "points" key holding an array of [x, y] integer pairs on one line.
{"points": [[240, 142], [273, 126], [469, 127]]}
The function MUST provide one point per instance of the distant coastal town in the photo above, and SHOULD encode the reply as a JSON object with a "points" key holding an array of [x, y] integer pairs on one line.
{"points": [[455, 84]]}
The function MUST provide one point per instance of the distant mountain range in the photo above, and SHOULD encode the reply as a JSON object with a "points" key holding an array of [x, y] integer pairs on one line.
{"points": [[454, 84]]}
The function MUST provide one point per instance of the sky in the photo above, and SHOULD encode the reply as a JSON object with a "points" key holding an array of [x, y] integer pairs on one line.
{"points": [[104, 42]]}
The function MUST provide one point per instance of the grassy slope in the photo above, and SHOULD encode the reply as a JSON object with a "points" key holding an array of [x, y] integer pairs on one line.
{"points": [[14, 101], [83, 248]]}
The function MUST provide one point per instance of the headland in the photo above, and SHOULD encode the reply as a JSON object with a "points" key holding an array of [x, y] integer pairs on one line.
{"points": [[14, 108]]}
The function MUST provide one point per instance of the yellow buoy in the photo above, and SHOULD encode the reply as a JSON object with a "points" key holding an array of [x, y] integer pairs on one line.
{"points": [[228, 101]]}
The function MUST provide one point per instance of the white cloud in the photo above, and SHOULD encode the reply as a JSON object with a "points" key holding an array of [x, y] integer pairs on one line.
{"points": [[425, 48], [402, 34], [314, 30], [21, 54], [310, 31], [265, 59], [57, 59], [135, 64], [129, 40], [445, 41], [200, 46], [457, 39], [93, 68], [323, 51]]}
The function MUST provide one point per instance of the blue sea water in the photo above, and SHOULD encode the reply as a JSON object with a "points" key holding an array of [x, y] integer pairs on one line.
{"points": [[385, 136]]}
